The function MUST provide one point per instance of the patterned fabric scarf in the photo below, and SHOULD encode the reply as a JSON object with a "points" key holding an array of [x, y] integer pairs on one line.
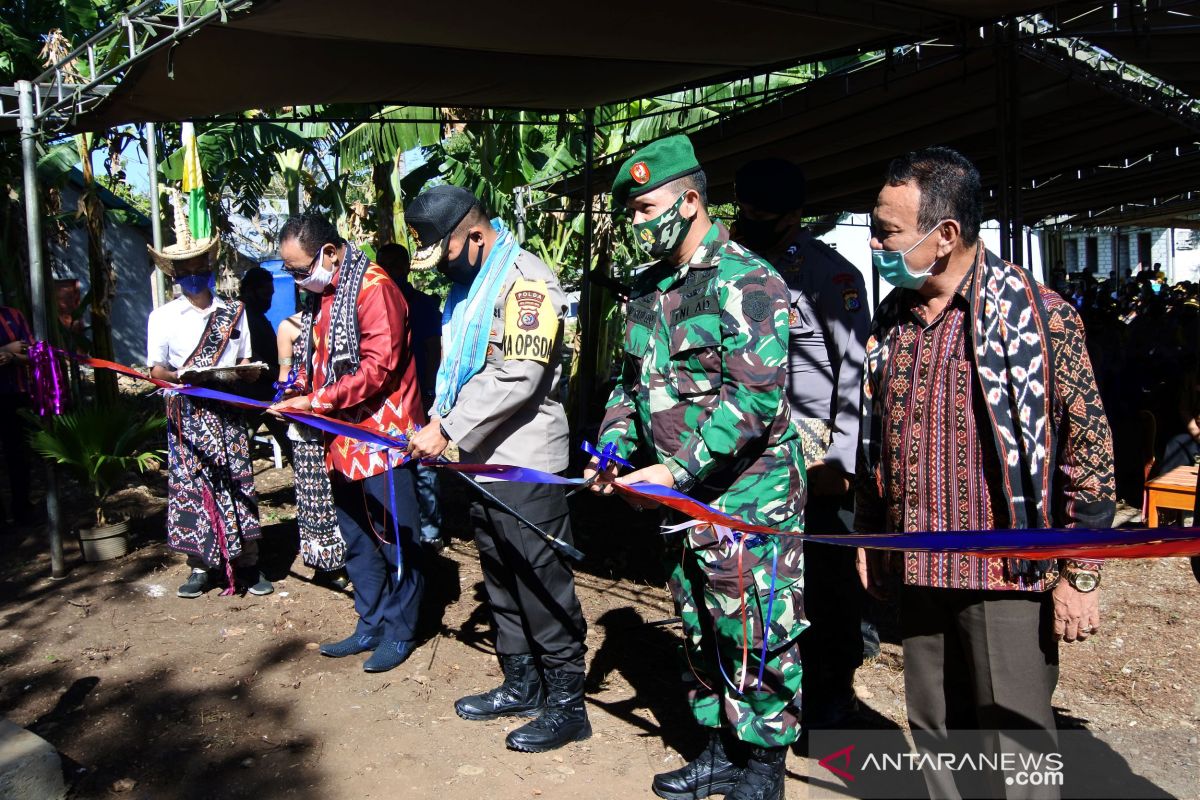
{"points": [[467, 319], [321, 543], [343, 319], [1013, 365]]}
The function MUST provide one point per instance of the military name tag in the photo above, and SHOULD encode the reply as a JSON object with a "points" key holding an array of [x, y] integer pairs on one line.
{"points": [[530, 323], [641, 311], [704, 304]]}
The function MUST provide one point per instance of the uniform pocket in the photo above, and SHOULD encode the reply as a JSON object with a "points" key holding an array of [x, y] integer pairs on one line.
{"points": [[783, 620], [696, 355]]}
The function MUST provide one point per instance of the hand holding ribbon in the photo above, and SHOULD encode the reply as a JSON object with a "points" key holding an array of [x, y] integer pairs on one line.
{"points": [[602, 469]]}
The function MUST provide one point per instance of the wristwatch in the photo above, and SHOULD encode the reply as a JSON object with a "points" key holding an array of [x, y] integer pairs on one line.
{"points": [[1084, 579], [684, 480]]}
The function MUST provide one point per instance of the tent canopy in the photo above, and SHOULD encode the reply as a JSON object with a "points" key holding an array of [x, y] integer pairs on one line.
{"points": [[1077, 134], [1163, 38], [536, 55]]}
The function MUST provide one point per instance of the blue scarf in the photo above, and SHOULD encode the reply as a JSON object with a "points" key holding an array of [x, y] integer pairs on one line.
{"points": [[467, 320]]}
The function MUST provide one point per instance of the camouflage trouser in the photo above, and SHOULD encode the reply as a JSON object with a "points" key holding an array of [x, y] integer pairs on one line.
{"points": [[704, 583]]}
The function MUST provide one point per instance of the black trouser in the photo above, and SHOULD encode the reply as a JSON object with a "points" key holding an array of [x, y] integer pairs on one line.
{"points": [[14, 437], [831, 649], [979, 660], [530, 586], [387, 605]]}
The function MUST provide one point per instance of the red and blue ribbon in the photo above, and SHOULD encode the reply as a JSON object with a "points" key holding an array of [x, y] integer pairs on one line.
{"points": [[1085, 543]]}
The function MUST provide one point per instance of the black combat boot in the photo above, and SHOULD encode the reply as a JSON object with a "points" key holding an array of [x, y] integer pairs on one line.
{"points": [[520, 694], [563, 721], [763, 777], [715, 771]]}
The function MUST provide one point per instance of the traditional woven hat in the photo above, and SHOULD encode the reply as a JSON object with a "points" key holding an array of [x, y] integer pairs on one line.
{"points": [[185, 246]]}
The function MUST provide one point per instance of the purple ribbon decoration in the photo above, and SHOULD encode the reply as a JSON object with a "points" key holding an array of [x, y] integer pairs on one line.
{"points": [[49, 390]]}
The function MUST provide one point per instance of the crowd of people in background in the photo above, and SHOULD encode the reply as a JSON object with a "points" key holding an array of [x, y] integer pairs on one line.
{"points": [[1143, 336]]}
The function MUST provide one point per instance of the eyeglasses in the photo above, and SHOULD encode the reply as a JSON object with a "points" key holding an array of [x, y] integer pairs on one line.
{"points": [[301, 273]]}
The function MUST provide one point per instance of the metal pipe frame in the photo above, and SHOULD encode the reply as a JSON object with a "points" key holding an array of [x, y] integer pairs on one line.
{"points": [[56, 100], [37, 297]]}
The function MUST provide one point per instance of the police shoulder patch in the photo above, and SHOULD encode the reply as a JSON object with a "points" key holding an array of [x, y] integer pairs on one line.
{"points": [[756, 304], [530, 323]]}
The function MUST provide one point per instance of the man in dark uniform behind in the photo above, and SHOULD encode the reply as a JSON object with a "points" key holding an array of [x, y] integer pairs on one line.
{"points": [[827, 335]]}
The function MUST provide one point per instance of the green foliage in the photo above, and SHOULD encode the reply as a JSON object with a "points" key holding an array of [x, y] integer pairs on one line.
{"points": [[374, 141], [239, 159], [99, 444]]}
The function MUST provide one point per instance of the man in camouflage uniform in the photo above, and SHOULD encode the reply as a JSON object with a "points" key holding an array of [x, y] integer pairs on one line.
{"points": [[828, 323], [701, 393]]}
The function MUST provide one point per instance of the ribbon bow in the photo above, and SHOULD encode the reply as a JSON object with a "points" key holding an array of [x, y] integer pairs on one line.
{"points": [[603, 457]]}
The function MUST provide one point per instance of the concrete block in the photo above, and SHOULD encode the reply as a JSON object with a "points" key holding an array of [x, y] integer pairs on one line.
{"points": [[30, 768]]}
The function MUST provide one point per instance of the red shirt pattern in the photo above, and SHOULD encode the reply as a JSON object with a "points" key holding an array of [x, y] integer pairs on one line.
{"points": [[383, 393]]}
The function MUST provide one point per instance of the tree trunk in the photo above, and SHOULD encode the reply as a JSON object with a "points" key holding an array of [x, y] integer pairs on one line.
{"points": [[103, 283], [385, 200]]}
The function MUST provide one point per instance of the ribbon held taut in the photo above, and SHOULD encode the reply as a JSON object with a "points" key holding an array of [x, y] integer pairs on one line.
{"points": [[1008, 543]]}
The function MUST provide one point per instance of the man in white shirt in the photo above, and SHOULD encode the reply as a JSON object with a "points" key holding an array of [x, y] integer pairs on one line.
{"points": [[212, 509]]}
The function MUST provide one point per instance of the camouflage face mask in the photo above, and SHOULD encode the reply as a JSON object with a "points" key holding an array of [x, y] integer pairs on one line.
{"points": [[660, 236]]}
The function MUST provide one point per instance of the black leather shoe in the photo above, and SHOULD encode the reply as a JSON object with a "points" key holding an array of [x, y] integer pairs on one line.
{"points": [[351, 645], [520, 694], [763, 777], [714, 771], [563, 721]]}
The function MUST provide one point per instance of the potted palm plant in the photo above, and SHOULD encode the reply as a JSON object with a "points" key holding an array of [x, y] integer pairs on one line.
{"points": [[98, 445]]}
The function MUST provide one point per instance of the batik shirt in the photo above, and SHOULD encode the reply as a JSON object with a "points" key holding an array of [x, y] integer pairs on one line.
{"points": [[703, 381], [939, 467]]}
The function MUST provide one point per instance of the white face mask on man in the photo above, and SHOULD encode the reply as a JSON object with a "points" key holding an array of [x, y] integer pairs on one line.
{"points": [[317, 278]]}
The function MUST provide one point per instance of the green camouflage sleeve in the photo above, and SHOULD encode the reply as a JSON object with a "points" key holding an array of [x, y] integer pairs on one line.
{"points": [[618, 427], [754, 340]]}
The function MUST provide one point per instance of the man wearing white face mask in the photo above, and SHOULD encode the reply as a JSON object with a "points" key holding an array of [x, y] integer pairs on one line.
{"points": [[980, 413], [357, 364]]}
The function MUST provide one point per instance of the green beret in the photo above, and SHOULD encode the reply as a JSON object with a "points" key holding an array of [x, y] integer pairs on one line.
{"points": [[655, 165]]}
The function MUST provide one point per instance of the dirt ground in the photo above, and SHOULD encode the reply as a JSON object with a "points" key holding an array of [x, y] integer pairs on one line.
{"points": [[150, 696]]}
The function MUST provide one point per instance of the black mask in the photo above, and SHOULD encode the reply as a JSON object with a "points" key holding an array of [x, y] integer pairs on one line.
{"points": [[760, 235], [461, 269]]}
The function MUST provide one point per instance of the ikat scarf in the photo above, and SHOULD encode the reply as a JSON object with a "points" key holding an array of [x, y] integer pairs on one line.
{"points": [[1013, 368]]}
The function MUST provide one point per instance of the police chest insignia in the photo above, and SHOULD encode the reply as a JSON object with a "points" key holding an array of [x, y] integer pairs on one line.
{"points": [[793, 317], [416, 240], [792, 255], [640, 173], [850, 300], [756, 305]]}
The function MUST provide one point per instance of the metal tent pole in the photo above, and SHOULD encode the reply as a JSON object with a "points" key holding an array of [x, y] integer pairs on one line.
{"points": [[37, 292], [588, 321], [157, 286]]}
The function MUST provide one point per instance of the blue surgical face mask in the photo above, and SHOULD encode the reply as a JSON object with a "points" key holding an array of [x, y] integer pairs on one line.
{"points": [[195, 284], [894, 269], [1156, 287]]}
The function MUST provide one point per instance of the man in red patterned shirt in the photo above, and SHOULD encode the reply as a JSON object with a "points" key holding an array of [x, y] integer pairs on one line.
{"points": [[359, 367], [980, 412]]}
